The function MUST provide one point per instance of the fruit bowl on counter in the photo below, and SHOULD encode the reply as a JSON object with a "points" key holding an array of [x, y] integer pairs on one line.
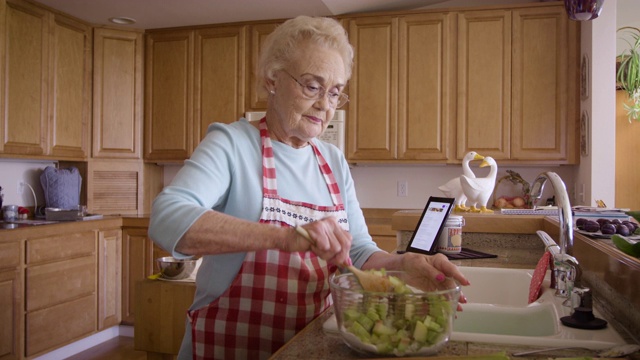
{"points": [[402, 322]]}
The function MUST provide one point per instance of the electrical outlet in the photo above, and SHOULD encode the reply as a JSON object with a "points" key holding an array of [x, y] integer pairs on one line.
{"points": [[403, 188], [20, 187]]}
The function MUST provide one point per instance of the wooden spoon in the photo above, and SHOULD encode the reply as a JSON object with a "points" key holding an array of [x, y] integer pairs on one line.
{"points": [[369, 281]]}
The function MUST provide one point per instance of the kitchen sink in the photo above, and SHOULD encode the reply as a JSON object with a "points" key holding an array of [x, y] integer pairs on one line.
{"points": [[488, 319], [498, 312], [24, 223]]}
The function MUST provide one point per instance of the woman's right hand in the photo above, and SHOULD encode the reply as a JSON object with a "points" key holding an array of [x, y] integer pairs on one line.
{"points": [[327, 240]]}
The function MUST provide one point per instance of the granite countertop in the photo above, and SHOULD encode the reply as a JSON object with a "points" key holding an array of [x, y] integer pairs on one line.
{"points": [[314, 343]]}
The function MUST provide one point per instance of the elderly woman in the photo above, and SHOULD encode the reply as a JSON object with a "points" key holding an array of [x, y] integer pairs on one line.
{"points": [[248, 185]]}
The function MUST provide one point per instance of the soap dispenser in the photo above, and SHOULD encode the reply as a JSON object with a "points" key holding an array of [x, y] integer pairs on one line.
{"points": [[582, 311]]}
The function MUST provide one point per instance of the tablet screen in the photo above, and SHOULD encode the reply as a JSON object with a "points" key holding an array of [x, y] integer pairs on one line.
{"points": [[434, 216]]}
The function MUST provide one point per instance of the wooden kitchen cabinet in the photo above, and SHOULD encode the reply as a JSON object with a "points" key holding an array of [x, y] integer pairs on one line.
{"points": [[372, 121], [257, 96], [109, 278], [70, 89], [545, 104], [117, 94], [161, 336], [400, 90], [47, 106], [196, 77], [429, 87], [138, 262], [117, 187], [168, 95], [516, 84], [59, 283], [10, 300], [219, 82], [60, 290], [26, 74], [484, 83]]}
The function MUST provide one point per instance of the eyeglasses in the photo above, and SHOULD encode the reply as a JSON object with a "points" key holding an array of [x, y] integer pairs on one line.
{"points": [[314, 91]]}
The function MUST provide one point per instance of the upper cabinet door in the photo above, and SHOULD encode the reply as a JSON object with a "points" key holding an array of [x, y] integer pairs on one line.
{"points": [[218, 77], [117, 94], [373, 89], [169, 97], [257, 99], [425, 87], [540, 116], [26, 75], [70, 89], [484, 83]]}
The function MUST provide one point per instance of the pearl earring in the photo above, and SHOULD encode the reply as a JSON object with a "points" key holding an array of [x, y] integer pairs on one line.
{"points": [[272, 92]]}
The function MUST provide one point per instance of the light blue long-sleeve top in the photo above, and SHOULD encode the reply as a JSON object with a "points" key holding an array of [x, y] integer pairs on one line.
{"points": [[225, 174]]}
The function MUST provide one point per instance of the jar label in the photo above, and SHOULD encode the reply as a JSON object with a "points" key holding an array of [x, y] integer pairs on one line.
{"points": [[450, 241]]}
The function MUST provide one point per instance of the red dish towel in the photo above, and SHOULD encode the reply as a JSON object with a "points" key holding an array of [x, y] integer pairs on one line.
{"points": [[538, 276]]}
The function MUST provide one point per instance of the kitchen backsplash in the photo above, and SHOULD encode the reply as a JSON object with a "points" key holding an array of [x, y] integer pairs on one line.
{"points": [[376, 186]]}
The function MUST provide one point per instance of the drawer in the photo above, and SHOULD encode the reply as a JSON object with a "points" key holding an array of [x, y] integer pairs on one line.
{"points": [[60, 325], [60, 247], [54, 283], [9, 255]]}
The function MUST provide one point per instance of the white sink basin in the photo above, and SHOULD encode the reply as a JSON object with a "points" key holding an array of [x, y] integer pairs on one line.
{"points": [[498, 312], [488, 319]]}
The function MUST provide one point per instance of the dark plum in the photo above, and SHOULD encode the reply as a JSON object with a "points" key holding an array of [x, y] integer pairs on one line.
{"points": [[622, 230], [615, 221], [603, 221], [630, 227], [580, 223], [608, 229], [591, 226]]}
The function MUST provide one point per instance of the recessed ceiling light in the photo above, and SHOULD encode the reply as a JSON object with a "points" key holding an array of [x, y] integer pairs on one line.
{"points": [[120, 20]]}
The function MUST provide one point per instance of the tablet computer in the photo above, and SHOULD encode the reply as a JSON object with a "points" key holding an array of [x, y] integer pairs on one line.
{"points": [[434, 216]]}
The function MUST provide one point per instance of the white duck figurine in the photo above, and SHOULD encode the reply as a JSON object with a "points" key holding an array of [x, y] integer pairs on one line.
{"points": [[478, 190], [453, 188]]}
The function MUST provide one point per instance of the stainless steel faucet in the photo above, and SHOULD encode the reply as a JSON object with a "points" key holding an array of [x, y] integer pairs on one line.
{"points": [[566, 268]]}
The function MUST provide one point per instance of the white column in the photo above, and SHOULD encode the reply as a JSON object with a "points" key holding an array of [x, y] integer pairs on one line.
{"points": [[596, 173]]}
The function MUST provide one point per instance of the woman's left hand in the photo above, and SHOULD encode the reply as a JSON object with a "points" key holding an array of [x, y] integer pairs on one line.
{"points": [[427, 272], [432, 271]]}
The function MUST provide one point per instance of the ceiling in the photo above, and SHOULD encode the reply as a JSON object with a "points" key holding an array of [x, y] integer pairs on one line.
{"points": [[151, 14]]}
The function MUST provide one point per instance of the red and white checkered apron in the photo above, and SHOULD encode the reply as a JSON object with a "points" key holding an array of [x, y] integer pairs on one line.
{"points": [[275, 293]]}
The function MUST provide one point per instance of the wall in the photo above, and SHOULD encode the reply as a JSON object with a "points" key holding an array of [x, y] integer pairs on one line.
{"points": [[628, 12], [376, 186], [14, 171]]}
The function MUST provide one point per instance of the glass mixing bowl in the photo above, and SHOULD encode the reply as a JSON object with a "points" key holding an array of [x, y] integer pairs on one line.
{"points": [[391, 323]]}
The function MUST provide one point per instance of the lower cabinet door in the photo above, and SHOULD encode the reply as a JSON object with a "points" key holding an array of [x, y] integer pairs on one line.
{"points": [[61, 324]]}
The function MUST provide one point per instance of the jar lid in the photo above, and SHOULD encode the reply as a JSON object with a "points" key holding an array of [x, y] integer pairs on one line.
{"points": [[455, 220]]}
